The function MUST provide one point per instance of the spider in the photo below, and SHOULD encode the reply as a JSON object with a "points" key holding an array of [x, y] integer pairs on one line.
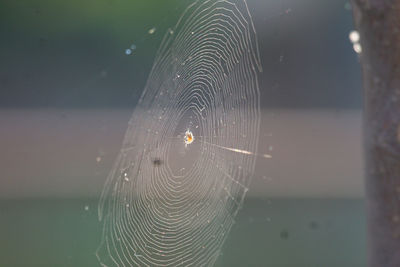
{"points": [[189, 138]]}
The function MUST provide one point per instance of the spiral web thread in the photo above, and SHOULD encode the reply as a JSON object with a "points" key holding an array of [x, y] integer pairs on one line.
{"points": [[167, 204]]}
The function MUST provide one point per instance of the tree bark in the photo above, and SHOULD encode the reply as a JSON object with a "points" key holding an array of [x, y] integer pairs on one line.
{"points": [[378, 22]]}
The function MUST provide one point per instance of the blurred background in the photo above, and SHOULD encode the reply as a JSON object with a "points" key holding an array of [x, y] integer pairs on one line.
{"points": [[71, 73]]}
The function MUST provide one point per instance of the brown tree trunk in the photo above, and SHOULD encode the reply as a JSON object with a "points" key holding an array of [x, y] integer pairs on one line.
{"points": [[378, 22]]}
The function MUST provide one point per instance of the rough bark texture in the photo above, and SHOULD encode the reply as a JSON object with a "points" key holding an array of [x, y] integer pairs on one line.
{"points": [[378, 22]]}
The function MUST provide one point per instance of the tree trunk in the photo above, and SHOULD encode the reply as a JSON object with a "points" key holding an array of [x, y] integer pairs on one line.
{"points": [[378, 22]]}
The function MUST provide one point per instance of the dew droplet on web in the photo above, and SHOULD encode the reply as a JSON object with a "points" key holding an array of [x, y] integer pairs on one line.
{"points": [[354, 37], [357, 48], [128, 51], [152, 30]]}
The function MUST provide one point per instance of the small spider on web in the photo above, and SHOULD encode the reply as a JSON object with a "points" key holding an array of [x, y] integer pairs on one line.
{"points": [[189, 138]]}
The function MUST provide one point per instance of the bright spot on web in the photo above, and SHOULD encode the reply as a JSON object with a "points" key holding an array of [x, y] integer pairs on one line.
{"points": [[354, 36], [357, 48], [128, 51]]}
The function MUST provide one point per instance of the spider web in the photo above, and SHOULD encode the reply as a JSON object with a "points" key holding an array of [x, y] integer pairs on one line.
{"points": [[170, 204]]}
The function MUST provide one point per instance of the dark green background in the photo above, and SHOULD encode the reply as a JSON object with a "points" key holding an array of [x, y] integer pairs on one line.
{"points": [[57, 53], [274, 232], [71, 54]]}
